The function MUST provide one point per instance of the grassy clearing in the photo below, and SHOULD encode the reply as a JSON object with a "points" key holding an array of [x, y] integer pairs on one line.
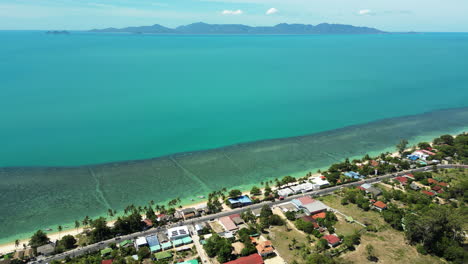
{"points": [[352, 210], [390, 247], [282, 238], [344, 228]]}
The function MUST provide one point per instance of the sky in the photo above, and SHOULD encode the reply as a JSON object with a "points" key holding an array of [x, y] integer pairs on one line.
{"points": [[388, 15]]}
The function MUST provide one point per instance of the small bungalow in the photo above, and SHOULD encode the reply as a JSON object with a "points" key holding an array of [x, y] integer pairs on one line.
{"points": [[265, 248], [320, 181], [285, 192], [228, 224], [332, 240], [140, 242], [431, 194], [106, 251], [287, 207], [354, 175], [379, 206], [148, 223], [46, 250], [432, 181], [126, 243], [401, 180], [414, 186], [177, 232], [107, 261], [374, 191]]}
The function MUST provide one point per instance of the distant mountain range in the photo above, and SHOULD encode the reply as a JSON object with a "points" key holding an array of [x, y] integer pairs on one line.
{"points": [[203, 28]]}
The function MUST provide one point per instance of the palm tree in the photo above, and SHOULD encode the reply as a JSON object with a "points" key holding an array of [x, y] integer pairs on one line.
{"points": [[77, 225], [17, 242], [152, 202], [110, 212], [59, 230]]}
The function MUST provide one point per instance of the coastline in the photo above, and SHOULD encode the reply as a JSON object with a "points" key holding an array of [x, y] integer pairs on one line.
{"points": [[246, 187]]}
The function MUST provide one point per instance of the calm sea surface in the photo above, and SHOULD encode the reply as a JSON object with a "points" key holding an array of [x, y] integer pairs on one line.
{"points": [[80, 99]]}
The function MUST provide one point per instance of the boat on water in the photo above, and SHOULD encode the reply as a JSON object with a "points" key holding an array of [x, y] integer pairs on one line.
{"points": [[201, 196], [48, 229]]}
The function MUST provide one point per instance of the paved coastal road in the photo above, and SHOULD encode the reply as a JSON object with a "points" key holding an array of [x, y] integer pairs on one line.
{"points": [[152, 231]]}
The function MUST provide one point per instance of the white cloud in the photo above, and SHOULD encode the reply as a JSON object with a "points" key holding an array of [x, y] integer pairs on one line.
{"points": [[365, 12], [232, 12], [271, 11]]}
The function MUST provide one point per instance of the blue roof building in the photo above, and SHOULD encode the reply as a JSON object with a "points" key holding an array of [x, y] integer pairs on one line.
{"points": [[240, 201], [152, 240], [353, 175]]}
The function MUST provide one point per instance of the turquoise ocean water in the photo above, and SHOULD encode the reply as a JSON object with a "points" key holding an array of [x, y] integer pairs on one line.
{"points": [[81, 99]]}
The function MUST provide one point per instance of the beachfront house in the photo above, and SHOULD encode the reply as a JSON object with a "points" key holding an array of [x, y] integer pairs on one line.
{"points": [[178, 232], [240, 201], [46, 250], [285, 192], [353, 175], [320, 181], [265, 248]]}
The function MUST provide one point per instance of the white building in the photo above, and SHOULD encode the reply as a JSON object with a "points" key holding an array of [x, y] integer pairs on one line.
{"points": [[320, 182], [177, 232], [285, 192], [141, 241]]}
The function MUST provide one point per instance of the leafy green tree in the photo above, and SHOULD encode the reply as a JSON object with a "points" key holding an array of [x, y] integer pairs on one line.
{"points": [[143, 253], [100, 231], [67, 242], [255, 191], [38, 239], [234, 193]]}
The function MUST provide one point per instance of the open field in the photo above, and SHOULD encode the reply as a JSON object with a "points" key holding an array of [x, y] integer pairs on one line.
{"points": [[390, 247], [282, 237], [352, 210]]}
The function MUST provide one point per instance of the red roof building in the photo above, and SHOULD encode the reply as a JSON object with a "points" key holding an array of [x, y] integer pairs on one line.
{"points": [[402, 180], [428, 193], [436, 188], [379, 205], [251, 259], [444, 184], [319, 215], [305, 200], [432, 181], [374, 163], [148, 222], [360, 188], [107, 261], [332, 240], [410, 175]]}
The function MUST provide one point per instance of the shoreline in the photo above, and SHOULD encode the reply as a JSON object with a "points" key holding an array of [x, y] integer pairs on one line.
{"points": [[8, 245], [55, 235]]}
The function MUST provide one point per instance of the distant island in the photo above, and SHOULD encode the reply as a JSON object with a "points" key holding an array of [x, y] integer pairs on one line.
{"points": [[58, 32], [284, 28]]}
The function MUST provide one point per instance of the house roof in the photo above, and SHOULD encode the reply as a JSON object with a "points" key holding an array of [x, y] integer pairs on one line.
{"points": [[366, 186], [380, 205], [315, 207], [401, 179], [444, 184], [410, 175], [107, 261], [265, 247], [436, 188], [332, 239], [374, 163], [228, 224], [430, 180], [305, 200], [319, 215], [251, 259], [428, 193], [46, 249], [148, 222]]}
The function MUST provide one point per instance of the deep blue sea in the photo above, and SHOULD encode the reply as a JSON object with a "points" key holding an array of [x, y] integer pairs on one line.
{"points": [[83, 98]]}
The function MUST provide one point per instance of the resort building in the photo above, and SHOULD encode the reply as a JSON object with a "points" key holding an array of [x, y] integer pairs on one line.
{"points": [[177, 232], [320, 181], [354, 175], [285, 192], [240, 201]]}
